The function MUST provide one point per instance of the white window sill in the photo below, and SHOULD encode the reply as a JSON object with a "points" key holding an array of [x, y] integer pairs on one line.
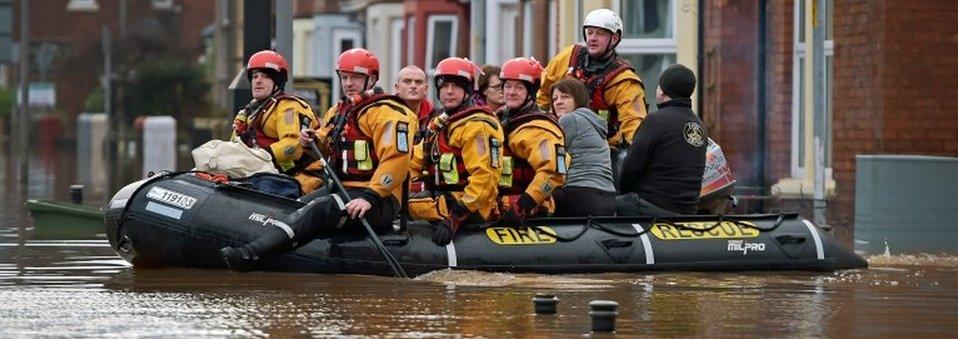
{"points": [[790, 188]]}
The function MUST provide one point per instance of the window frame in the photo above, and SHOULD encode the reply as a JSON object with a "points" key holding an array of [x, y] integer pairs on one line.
{"points": [[649, 46], [431, 22], [799, 62], [395, 46], [527, 28]]}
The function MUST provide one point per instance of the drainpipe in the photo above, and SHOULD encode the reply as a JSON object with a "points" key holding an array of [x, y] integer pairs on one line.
{"points": [[818, 76], [761, 157], [701, 57]]}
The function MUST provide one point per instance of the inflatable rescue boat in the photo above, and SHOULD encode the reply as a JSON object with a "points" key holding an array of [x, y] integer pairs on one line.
{"points": [[180, 220]]}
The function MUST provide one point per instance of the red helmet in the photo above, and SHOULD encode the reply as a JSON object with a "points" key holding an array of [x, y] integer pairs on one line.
{"points": [[527, 70], [454, 66], [272, 63], [358, 60], [522, 69], [458, 70]]}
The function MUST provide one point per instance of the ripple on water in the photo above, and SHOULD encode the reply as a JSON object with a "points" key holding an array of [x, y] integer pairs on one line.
{"points": [[495, 279], [922, 259]]}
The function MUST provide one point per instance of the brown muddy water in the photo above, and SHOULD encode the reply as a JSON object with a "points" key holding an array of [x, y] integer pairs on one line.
{"points": [[71, 284]]}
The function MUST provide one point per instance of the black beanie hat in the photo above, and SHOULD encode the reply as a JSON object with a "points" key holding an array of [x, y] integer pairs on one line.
{"points": [[677, 81]]}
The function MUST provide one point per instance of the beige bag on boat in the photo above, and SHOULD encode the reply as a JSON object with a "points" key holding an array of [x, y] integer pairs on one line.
{"points": [[232, 158]]}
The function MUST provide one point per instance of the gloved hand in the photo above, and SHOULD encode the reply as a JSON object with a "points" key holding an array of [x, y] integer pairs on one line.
{"points": [[443, 232], [519, 208]]}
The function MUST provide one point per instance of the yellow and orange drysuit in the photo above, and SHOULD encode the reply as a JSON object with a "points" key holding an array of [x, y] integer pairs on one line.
{"points": [[617, 93], [459, 163], [274, 124], [535, 163]]}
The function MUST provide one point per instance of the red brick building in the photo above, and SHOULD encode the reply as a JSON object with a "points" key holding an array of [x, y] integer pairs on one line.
{"points": [[436, 29], [72, 30], [892, 74]]}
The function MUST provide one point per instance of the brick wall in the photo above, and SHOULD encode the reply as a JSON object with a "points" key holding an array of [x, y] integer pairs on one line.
{"points": [[730, 110], [778, 124], [896, 80]]}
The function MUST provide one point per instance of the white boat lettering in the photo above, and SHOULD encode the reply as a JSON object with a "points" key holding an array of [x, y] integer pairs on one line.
{"points": [[170, 197], [745, 247]]}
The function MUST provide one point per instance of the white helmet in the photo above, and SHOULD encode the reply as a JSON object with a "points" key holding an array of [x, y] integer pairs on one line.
{"points": [[605, 19]]}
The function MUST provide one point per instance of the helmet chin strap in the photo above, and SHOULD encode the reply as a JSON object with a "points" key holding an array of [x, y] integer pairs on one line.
{"points": [[610, 48]]}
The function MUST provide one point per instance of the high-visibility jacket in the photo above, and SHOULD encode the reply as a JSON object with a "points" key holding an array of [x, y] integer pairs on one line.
{"points": [[463, 158], [275, 127], [370, 147], [617, 94], [535, 161]]}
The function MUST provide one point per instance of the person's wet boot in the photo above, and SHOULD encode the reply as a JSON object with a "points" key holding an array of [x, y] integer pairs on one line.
{"points": [[279, 236], [240, 258]]}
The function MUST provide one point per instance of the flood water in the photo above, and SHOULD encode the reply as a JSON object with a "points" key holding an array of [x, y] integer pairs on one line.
{"points": [[62, 283]]}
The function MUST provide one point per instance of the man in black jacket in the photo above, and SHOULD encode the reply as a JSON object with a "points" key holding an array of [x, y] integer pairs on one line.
{"points": [[662, 174]]}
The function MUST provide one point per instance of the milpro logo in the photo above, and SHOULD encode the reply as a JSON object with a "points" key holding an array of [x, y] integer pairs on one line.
{"points": [[521, 236], [169, 197], [264, 220], [745, 247]]}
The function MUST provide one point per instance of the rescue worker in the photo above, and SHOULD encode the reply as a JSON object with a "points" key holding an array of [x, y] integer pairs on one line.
{"points": [[617, 94], [459, 156], [534, 161], [411, 86], [368, 138], [272, 120]]}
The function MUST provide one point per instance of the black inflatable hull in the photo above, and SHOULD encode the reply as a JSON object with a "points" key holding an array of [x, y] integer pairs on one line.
{"points": [[182, 221]]}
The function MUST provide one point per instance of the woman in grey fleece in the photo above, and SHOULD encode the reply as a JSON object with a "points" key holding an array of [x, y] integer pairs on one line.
{"points": [[588, 188]]}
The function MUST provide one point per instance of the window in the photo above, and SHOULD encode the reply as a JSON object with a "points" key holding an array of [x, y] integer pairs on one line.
{"points": [[648, 39], [527, 28], [508, 20], [800, 62], [440, 39], [648, 19]]}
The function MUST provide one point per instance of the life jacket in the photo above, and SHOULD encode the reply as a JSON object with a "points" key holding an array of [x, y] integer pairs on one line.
{"points": [[354, 157], [517, 174], [444, 166], [264, 141], [595, 84]]}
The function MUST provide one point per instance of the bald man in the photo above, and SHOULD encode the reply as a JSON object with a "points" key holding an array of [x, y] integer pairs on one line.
{"points": [[412, 87]]}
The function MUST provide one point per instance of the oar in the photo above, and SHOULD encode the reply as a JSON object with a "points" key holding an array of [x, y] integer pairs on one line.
{"points": [[393, 263]]}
